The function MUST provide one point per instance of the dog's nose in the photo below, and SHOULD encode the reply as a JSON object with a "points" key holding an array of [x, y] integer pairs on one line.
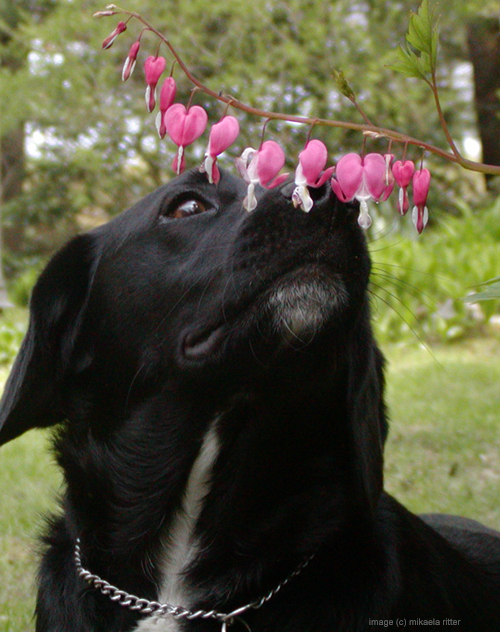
{"points": [[318, 194], [287, 189]]}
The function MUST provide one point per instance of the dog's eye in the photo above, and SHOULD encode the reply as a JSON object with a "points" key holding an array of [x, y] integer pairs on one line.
{"points": [[187, 208]]}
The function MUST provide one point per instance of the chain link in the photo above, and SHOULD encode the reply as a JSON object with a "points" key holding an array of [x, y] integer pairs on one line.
{"points": [[156, 609]]}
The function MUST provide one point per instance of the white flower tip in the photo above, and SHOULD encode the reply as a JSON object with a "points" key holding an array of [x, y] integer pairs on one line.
{"points": [[420, 222], [150, 97], [301, 197], [180, 153], [128, 69], [158, 118], [401, 201], [364, 219], [108, 43], [250, 201], [208, 167], [249, 205]]}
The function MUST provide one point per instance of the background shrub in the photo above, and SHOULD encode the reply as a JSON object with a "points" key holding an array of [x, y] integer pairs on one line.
{"points": [[418, 288]]}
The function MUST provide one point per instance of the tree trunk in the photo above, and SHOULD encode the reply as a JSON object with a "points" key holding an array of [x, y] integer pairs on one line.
{"points": [[12, 175], [483, 37]]}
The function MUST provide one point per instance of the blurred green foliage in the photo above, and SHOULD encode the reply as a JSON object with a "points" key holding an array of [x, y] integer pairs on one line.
{"points": [[93, 148], [12, 328], [418, 287]]}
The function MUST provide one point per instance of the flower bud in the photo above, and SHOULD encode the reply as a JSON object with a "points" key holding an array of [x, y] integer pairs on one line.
{"points": [[108, 42], [129, 65], [421, 184]]}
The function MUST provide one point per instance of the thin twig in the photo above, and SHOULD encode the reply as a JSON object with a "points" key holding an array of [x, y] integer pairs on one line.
{"points": [[367, 128]]}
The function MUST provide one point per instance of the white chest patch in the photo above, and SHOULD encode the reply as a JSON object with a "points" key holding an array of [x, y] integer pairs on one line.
{"points": [[180, 546]]}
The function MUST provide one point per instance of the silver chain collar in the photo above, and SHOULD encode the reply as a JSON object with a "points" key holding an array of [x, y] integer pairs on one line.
{"points": [[156, 609]]}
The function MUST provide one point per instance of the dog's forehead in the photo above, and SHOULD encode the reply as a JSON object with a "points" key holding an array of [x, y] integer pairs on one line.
{"points": [[229, 190]]}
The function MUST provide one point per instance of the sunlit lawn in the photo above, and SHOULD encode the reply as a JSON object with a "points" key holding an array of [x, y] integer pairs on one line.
{"points": [[443, 455]]}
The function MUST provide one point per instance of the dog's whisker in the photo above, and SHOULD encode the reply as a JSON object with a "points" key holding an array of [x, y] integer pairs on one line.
{"points": [[432, 275], [409, 325], [411, 289], [396, 298]]}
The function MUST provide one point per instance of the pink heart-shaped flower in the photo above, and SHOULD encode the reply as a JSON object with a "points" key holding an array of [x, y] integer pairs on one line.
{"points": [[271, 159], [185, 126], [167, 96], [313, 160], [421, 183], [222, 135], [403, 172], [374, 168], [153, 68], [167, 93], [349, 177]]}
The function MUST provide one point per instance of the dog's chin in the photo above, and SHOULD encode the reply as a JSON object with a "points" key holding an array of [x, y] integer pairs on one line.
{"points": [[299, 309], [288, 314]]}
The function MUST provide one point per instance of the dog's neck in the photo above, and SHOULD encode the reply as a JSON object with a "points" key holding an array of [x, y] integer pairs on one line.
{"points": [[181, 545], [243, 494]]}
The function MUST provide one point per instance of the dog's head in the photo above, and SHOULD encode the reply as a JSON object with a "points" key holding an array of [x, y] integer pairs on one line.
{"points": [[188, 289]]}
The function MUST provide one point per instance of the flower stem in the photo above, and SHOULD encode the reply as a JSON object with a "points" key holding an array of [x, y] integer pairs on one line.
{"points": [[367, 128]]}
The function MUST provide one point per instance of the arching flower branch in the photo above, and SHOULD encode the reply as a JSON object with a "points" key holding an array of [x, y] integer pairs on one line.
{"points": [[361, 177]]}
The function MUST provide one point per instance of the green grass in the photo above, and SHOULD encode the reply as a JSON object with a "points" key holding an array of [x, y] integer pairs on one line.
{"points": [[443, 455], [29, 483]]}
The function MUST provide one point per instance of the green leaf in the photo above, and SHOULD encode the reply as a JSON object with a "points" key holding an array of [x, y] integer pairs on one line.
{"points": [[419, 57], [495, 280], [408, 63], [420, 29], [491, 292], [424, 63]]}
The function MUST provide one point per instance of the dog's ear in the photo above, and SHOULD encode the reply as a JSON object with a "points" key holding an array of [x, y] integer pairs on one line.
{"points": [[369, 421], [31, 397]]}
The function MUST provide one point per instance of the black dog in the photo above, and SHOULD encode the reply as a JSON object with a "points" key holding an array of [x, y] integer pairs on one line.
{"points": [[219, 397]]}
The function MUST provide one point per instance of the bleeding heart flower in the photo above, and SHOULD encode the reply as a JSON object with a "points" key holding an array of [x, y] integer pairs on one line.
{"points": [[222, 135], [153, 69], [129, 65], [184, 127], [109, 41], [261, 167], [403, 173], [167, 97], [312, 161], [421, 183], [362, 179]]}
